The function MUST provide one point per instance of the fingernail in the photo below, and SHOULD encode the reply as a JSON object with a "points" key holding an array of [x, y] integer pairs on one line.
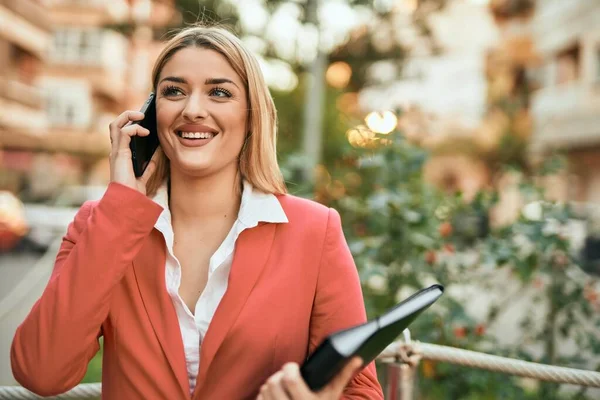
{"points": [[291, 369]]}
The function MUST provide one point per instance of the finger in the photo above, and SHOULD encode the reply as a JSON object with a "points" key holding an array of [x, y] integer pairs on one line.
{"points": [[274, 389], [124, 138], [293, 382], [151, 168], [126, 117], [346, 374], [121, 121], [135, 129]]}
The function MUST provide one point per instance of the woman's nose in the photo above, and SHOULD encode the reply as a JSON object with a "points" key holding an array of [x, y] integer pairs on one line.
{"points": [[195, 109]]}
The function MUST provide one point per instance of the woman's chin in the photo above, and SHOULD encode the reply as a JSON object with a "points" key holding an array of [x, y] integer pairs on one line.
{"points": [[203, 168], [192, 167]]}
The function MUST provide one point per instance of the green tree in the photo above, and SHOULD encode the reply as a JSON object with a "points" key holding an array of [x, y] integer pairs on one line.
{"points": [[405, 234]]}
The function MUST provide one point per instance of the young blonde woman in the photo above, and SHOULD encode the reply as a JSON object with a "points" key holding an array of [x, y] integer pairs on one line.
{"points": [[205, 279]]}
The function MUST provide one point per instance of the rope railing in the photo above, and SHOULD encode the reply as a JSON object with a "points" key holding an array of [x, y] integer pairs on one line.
{"points": [[399, 351], [80, 392], [405, 352]]}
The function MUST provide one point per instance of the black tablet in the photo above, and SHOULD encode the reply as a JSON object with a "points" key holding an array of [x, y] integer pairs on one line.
{"points": [[367, 340]]}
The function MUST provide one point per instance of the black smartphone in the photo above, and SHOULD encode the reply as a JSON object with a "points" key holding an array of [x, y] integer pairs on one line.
{"points": [[143, 147]]}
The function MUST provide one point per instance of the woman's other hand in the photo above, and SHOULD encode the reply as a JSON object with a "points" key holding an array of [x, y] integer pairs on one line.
{"points": [[287, 384], [121, 164]]}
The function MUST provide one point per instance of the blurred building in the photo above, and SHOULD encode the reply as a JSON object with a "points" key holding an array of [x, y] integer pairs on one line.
{"points": [[526, 84], [443, 94], [67, 68], [89, 63], [567, 105], [25, 37], [450, 84]]}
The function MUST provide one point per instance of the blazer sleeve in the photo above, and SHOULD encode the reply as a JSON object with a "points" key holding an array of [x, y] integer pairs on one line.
{"points": [[52, 347], [339, 304]]}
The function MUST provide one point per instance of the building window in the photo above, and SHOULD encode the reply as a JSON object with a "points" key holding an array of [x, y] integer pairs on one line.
{"points": [[77, 46], [568, 63], [537, 77], [68, 104]]}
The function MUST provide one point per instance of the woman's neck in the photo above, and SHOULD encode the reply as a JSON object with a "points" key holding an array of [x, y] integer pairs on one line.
{"points": [[202, 199]]}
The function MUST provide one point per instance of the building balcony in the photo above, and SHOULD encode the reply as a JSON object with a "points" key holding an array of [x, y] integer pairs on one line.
{"points": [[104, 82], [30, 10], [566, 116], [156, 13], [94, 55], [21, 93], [78, 143], [22, 106], [88, 12], [25, 24], [101, 12], [557, 23]]}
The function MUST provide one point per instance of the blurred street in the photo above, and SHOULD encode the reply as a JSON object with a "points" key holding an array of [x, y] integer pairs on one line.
{"points": [[24, 276], [13, 268], [25, 270]]}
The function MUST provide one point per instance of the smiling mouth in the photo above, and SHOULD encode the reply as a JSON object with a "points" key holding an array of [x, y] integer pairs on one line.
{"points": [[196, 135]]}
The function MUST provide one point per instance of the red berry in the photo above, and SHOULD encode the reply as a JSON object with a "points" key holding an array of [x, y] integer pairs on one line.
{"points": [[591, 296], [445, 229], [430, 257], [460, 332], [480, 330]]}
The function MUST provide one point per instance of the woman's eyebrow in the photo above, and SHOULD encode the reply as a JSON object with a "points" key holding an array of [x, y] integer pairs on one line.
{"points": [[175, 79], [209, 81], [217, 81]]}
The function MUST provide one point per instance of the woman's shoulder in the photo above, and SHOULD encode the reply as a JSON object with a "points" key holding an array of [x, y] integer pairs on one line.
{"points": [[302, 207], [308, 215]]}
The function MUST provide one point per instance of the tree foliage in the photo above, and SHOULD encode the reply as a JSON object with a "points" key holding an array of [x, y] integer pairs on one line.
{"points": [[405, 235]]}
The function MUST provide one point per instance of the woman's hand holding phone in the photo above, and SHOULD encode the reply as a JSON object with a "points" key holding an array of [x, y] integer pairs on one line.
{"points": [[121, 167]]}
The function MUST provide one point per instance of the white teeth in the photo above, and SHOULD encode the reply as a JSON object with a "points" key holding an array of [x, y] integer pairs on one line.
{"points": [[197, 135]]}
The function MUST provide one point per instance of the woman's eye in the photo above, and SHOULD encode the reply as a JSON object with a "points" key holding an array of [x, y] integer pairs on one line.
{"points": [[171, 91], [220, 92]]}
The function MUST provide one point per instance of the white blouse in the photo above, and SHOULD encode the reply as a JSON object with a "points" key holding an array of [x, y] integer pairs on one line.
{"points": [[255, 207]]}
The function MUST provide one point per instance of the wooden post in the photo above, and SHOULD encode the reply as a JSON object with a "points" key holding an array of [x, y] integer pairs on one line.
{"points": [[400, 381]]}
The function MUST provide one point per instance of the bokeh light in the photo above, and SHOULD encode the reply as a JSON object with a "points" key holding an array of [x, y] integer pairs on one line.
{"points": [[338, 74], [381, 122], [361, 136]]}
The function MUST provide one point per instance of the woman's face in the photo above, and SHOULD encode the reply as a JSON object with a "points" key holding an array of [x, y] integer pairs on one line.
{"points": [[201, 111]]}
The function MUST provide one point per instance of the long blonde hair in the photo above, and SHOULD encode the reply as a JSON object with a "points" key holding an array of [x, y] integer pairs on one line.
{"points": [[258, 157]]}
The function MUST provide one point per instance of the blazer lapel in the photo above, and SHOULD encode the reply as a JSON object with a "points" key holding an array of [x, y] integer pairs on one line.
{"points": [[149, 269], [251, 254]]}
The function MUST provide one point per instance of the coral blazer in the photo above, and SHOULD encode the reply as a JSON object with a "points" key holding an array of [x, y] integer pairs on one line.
{"points": [[290, 286]]}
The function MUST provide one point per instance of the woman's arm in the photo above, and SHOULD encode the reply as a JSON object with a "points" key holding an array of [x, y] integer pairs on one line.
{"points": [[52, 347], [339, 304]]}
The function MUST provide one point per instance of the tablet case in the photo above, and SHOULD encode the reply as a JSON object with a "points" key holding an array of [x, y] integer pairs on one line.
{"points": [[366, 340]]}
